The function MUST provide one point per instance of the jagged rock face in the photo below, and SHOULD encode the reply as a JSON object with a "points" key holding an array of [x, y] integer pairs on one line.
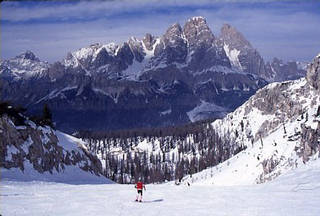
{"points": [[103, 58], [310, 143], [125, 55], [313, 74], [197, 32], [148, 41], [172, 47], [279, 71], [40, 147], [137, 49], [232, 37], [243, 56], [203, 51]]}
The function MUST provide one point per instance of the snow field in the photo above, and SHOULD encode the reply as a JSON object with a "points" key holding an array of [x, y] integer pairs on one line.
{"points": [[295, 193]]}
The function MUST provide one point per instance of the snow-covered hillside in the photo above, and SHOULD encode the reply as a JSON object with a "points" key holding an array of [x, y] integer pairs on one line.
{"points": [[33, 152], [72, 174], [295, 193], [279, 127]]}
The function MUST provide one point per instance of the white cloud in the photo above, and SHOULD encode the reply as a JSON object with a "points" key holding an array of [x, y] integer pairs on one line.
{"points": [[87, 9], [289, 35]]}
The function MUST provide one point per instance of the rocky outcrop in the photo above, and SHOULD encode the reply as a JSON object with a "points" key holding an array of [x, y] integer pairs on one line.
{"points": [[172, 47], [310, 142], [149, 41], [203, 50], [41, 147], [241, 53], [197, 32], [313, 74], [137, 49]]}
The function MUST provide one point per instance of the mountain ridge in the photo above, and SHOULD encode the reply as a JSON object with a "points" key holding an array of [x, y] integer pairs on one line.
{"points": [[143, 74]]}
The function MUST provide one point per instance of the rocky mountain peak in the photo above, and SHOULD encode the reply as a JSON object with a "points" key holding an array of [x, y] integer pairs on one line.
{"points": [[241, 53], [136, 48], [233, 37], [28, 55], [148, 41], [197, 31], [313, 73], [172, 47], [173, 32]]}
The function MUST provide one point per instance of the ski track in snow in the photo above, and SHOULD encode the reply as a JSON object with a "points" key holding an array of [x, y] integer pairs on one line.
{"points": [[295, 193]]}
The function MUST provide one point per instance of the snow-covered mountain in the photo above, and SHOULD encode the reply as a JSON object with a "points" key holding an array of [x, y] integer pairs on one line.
{"points": [[24, 66], [188, 70], [32, 152]]}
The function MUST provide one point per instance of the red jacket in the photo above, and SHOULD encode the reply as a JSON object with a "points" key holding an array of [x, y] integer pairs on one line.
{"points": [[139, 185]]}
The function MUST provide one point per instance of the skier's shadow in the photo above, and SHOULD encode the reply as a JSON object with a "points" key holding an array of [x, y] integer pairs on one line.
{"points": [[152, 201]]}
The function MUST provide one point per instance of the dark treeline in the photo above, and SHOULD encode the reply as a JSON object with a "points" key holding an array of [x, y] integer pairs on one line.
{"points": [[180, 131], [17, 114], [159, 154]]}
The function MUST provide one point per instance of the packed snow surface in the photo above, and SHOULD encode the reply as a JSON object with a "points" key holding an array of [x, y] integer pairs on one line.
{"points": [[71, 175], [295, 193]]}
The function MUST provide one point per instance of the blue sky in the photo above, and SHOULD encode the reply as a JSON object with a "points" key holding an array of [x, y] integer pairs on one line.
{"points": [[286, 29]]}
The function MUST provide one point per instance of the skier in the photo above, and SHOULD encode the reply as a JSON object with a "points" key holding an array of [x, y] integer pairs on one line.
{"points": [[139, 187]]}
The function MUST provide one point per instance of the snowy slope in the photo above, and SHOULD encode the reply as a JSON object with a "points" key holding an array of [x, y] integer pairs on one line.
{"points": [[296, 193], [71, 174], [272, 138], [233, 56], [38, 153]]}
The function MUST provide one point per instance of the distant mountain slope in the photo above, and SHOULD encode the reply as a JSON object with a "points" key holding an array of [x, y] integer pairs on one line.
{"points": [[32, 152], [282, 71]]}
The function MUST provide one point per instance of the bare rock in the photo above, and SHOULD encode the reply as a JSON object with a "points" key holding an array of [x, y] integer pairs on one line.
{"points": [[313, 74]]}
